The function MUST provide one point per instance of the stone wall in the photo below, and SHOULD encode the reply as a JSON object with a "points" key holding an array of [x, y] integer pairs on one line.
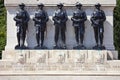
{"points": [[89, 41]]}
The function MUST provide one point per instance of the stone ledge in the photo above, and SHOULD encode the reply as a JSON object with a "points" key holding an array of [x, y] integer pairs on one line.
{"points": [[59, 77], [54, 2], [11, 54], [91, 73]]}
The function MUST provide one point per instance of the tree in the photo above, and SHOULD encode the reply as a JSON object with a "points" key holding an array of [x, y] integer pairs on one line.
{"points": [[2, 26], [117, 27]]}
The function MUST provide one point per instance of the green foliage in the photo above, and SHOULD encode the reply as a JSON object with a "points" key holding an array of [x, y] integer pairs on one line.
{"points": [[117, 27], [2, 26]]}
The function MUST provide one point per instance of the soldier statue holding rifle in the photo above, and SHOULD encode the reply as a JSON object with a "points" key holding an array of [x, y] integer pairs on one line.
{"points": [[60, 18], [40, 19], [78, 18], [98, 18], [21, 18]]}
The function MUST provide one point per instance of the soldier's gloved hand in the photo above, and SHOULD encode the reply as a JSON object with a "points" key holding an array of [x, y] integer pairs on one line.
{"points": [[58, 21], [82, 20], [20, 21], [23, 21], [39, 20]]}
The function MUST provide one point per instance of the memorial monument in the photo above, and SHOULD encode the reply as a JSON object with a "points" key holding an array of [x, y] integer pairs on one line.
{"points": [[48, 23]]}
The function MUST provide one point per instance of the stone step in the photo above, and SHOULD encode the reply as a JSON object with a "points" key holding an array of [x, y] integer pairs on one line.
{"points": [[53, 56]]}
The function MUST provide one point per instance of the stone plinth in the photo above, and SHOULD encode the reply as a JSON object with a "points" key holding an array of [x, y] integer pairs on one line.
{"points": [[11, 54], [57, 61], [62, 64], [60, 78], [50, 7], [12, 70]]}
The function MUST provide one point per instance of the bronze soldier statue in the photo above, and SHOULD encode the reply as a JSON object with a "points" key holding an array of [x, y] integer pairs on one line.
{"points": [[21, 19], [60, 18], [79, 17], [40, 19], [98, 18]]}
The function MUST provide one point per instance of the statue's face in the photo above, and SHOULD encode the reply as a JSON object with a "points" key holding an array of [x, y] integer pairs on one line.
{"points": [[79, 7], [60, 7], [22, 7], [40, 7], [97, 7]]}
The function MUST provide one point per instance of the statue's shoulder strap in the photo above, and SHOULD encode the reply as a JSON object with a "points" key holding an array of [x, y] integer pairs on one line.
{"points": [[64, 11], [102, 12]]}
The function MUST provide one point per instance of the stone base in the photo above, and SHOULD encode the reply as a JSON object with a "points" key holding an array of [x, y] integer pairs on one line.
{"points": [[60, 77], [56, 60], [53, 54], [59, 65]]}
